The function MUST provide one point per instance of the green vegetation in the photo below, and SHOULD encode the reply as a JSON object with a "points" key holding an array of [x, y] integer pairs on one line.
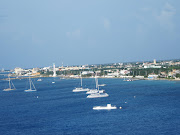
{"points": [[178, 75]]}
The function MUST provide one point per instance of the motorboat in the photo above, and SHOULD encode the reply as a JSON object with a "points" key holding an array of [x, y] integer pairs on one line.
{"points": [[97, 95], [129, 80], [108, 107], [39, 80]]}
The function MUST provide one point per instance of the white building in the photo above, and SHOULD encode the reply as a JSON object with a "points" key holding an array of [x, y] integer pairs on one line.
{"points": [[124, 72], [18, 71], [152, 66], [87, 72], [152, 76], [54, 70]]}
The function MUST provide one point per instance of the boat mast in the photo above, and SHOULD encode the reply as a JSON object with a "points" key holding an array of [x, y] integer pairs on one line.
{"points": [[96, 80], [97, 84], [30, 82], [81, 79], [9, 82]]}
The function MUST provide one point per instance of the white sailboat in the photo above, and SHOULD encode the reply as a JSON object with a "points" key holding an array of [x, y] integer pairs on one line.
{"points": [[94, 91], [97, 93], [31, 85], [11, 85], [79, 89]]}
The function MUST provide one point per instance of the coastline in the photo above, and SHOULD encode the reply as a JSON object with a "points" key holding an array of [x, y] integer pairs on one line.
{"points": [[67, 77]]}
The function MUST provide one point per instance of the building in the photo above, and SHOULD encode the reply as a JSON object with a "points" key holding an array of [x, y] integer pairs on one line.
{"points": [[152, 66], [152, 76], [18, 71]]}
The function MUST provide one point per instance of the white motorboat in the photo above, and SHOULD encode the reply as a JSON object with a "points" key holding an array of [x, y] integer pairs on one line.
{"points": [[97, 95], [108, 107], [31, 85], [39, 80], [11, 85], [129, 80]]}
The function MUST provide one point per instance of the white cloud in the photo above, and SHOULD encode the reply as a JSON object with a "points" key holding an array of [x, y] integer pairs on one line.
{"points": [[165, 18], [106, 23], [74, 34]]}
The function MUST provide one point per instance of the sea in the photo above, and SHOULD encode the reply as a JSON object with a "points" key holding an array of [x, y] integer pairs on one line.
{"points": [[149, 107]]}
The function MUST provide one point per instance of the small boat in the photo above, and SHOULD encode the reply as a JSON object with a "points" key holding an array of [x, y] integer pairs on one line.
{"points": [[102, 84], [53, 82], [108, 107], [97, 95], [128, 80], [11, 85], [31, 85], [39, 80]]}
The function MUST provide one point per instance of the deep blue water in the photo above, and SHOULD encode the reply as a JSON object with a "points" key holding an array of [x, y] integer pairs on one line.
{"points": [[155, 109]]}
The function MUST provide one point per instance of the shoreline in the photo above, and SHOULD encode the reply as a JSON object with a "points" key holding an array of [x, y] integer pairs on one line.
{"points": [[67, 77]]}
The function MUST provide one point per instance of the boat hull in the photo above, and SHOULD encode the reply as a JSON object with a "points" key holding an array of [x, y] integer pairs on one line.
{"points": [[95, 91], [103, 108], [29, 90], [8, 89], [80, 89]]}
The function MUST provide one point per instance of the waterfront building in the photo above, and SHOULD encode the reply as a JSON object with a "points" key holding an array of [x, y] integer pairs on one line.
{"points": [[18, 71], [152, 66], [152, 76]]}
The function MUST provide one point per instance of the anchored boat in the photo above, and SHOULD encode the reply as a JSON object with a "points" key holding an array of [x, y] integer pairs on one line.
{"points": [[11, 85], [31, 85], [80, 88], [108, 107]]}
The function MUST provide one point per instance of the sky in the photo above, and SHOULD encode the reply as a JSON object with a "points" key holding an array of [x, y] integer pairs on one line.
{"points": [[38, 33]]}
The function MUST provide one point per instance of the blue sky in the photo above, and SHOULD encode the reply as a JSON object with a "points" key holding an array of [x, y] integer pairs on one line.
{"points": [[37, 33]]}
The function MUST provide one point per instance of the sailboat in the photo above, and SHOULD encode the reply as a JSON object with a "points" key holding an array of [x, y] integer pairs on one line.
{"points": [[11, 85], [31, 85], [93, 91], [97, 93], [79, 89]]}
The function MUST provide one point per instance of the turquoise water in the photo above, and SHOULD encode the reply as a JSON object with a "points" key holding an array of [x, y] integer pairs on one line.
{"points": [[148, 107]]}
